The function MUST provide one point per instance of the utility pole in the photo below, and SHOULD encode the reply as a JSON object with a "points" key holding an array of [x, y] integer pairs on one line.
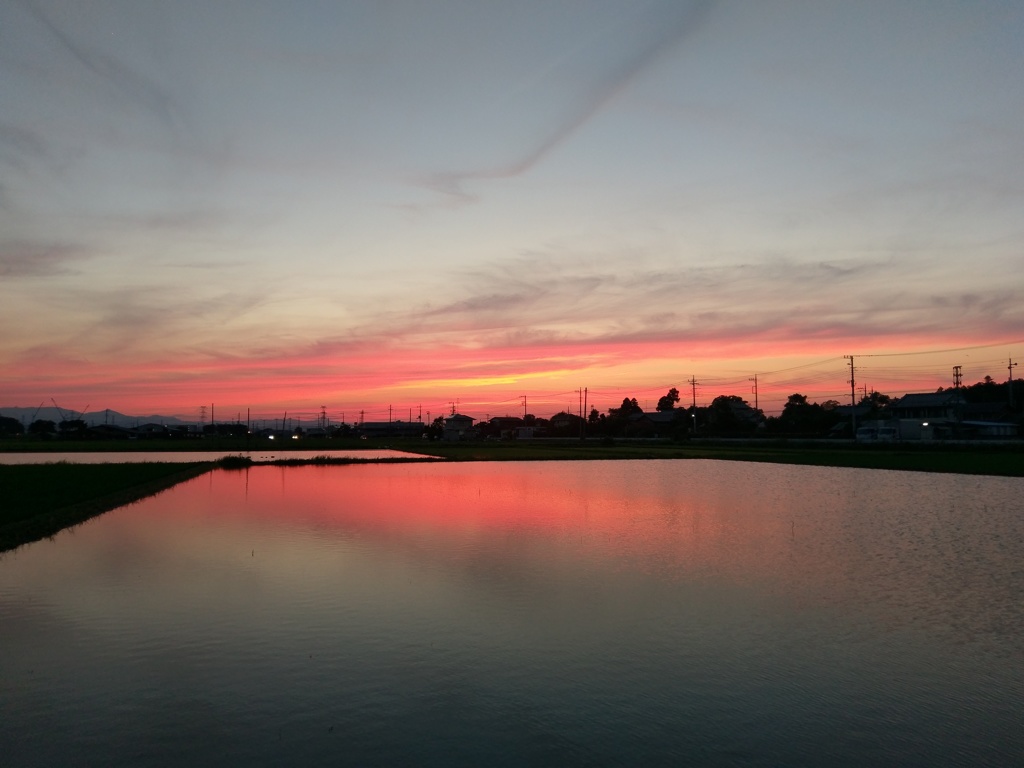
{"points": [[524, 405], [754, 390], [853, 396], [693, 390], [583, 424], [1009, 367], [956, 386]]}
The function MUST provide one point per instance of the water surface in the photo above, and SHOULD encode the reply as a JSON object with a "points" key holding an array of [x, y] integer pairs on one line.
{"points": [[577, 613]]}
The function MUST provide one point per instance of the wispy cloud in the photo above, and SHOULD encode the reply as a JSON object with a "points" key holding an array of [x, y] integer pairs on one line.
{"points": [[18, 145], [152, 318], [586, 77], [536, 301], [24, 259], [128, 83]]}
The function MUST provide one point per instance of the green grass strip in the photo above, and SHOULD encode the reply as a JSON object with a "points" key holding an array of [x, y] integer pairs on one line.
{"points": [[38, 500]]}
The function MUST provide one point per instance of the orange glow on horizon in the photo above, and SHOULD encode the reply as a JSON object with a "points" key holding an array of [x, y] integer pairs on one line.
{"points": [[491, 380]]}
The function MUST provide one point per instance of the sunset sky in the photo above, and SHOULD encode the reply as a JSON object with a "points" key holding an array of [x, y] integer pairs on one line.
{"points": [[281, 205]]}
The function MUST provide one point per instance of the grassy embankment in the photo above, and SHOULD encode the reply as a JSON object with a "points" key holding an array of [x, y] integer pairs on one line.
{"points": [[38, 500], [973, 461]]}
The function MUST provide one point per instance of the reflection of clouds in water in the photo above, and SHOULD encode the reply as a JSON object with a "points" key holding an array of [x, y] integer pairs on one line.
{"points": [[878, 551], [701, 595], [902, 550]]}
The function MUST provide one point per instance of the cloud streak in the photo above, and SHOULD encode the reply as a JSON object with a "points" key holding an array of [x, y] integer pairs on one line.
{"points": [[537, 301], [608, 63], [23, 259], [132, 86]]}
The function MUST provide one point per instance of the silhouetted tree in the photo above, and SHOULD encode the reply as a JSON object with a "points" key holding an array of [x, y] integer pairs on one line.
{"points": [[341, 430], [10, 426], [564, 424], [42, 427], [436, 429], [668, 401], [876, 400], [629, 405], [618, 418], [986, 391], [801, 417], [72, 426], [731, 414]]}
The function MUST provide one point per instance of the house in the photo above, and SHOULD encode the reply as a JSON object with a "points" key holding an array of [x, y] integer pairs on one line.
{"points": [[935, 406], [506, 427], [654, 424], [458, 427]]}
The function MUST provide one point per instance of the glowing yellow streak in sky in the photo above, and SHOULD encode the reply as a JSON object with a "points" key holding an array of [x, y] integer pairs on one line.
{"points": [[483, 381]]}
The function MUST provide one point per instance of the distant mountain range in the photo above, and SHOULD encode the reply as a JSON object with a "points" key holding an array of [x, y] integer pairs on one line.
{"points": [[27, 415]]}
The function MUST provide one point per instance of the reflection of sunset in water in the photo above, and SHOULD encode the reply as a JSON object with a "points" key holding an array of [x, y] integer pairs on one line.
{"points": [[810, 537], [622, 611]]}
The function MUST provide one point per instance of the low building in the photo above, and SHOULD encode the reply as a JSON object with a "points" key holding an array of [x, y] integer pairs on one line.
{"points": [[989, 429], [458, 427], [928, 405], [655, 424], [110, 432], [505, 427]]}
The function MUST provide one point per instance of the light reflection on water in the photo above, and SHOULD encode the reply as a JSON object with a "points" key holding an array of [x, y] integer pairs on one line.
{"points": [[619, 613]]}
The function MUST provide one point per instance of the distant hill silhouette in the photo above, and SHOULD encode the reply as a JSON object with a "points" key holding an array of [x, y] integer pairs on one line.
{"points": [[92, 418]]}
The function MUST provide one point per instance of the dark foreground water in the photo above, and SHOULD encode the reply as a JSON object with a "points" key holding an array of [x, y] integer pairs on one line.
{"points": [[599, 613]]}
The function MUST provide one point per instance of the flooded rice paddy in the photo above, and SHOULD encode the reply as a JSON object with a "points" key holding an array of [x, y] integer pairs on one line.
{"points": [[577, 613]]}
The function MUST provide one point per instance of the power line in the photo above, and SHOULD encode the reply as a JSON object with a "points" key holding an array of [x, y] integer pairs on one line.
{"points": [[945, 351]]}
